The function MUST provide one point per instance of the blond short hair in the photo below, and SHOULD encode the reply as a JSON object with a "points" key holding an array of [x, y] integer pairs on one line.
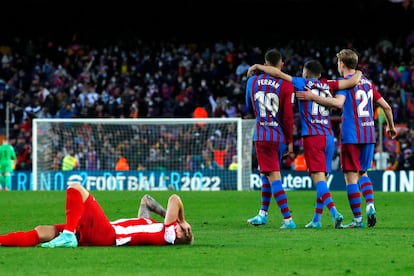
{"points": [[348, 57], [185, 239]]}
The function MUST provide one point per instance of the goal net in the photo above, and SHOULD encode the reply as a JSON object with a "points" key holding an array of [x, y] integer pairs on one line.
{"points": [[143, 154]]}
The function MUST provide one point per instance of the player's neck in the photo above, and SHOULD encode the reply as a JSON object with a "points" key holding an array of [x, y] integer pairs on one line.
{"points": [[349, 72]]}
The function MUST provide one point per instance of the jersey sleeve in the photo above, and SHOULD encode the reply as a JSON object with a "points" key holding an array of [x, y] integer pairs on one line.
{"points": [[170, 233], [143, 231], [333, 85], [342, 92], [377, 95], [298, 83], [249, 94], [286, 114]]}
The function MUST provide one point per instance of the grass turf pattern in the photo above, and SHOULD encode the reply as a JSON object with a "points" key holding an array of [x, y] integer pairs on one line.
{"points": [[224, 243]]}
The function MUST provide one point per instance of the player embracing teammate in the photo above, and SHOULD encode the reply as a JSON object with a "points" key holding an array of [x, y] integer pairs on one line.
{"points": [[358, 137]]}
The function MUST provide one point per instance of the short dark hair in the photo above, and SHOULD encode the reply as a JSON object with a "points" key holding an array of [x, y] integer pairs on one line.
{"points": [[314, 68], [273, 57]]}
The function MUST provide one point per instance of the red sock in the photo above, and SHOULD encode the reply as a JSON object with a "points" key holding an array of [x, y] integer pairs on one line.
{"points": [[74, 209], [28, 238]]}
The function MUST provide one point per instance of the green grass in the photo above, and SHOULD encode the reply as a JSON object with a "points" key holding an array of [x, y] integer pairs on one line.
{"points": [[224, 243]]}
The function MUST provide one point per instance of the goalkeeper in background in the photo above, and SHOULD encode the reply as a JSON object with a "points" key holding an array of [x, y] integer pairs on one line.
{"points": [[7, 163]]}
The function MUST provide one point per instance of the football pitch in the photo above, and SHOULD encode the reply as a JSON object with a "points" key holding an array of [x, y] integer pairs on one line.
{"points": [[224, 243]]}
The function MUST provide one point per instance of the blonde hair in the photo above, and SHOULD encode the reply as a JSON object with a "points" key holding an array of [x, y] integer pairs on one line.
{"points": [[348, 57], [185, 239]]}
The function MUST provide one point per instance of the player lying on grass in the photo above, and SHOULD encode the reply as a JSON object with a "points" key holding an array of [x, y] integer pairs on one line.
{"points": [[87, 225]]}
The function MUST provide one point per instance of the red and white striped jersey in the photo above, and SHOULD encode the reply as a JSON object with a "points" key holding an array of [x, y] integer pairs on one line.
{"points": [[143, 231]]}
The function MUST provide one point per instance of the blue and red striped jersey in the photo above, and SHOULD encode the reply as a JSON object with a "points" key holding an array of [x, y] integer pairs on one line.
{"points": [[271, 101], [315, 118], [358, 125]]}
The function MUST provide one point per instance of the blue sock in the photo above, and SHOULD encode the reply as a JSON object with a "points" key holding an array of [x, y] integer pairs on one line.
{"points": [[354, 198], [325, 195], [365, 185], [266, 193], [318, 210], [281, 198]]}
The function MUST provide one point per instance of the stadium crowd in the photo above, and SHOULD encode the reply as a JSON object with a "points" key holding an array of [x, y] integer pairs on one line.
{"points": [[138, 78]]}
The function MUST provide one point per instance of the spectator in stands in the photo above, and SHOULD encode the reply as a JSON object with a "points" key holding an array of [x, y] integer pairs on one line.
{"points": [[66, 111], [69, 162], [92, 159], [178, 156], [122, 164], [23, 150], [406, 159], [234, 164], [3, 103], [381, 159], [336, 160], [30, 66], [216, 145], [109, 156], [207, 162], [241, 70], [299, 164]]}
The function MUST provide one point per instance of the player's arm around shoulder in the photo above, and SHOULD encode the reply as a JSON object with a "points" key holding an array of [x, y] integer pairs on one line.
{"points": [[252, 70], [307, 95], [351, 82], [271, 70]]}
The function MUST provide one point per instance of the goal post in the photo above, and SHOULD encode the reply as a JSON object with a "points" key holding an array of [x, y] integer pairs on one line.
{"points": [[160, 153]]}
